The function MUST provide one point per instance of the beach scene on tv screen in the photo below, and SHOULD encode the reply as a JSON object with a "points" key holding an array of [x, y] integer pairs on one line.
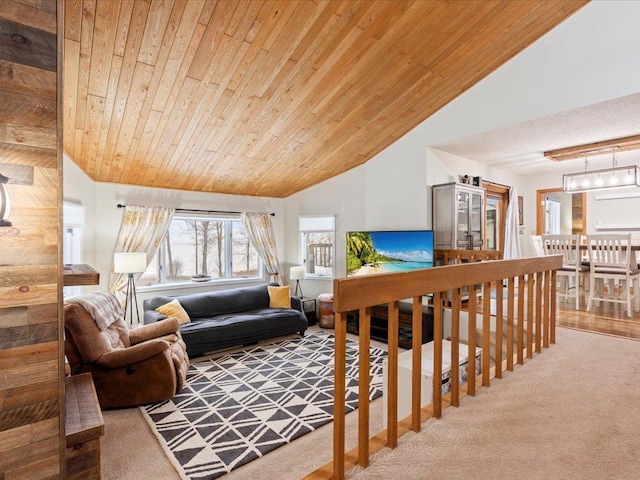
{"points": [[369, 253]]}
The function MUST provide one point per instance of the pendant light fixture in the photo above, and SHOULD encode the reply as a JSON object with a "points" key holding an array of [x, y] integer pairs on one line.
{"points": [[604, 179]]}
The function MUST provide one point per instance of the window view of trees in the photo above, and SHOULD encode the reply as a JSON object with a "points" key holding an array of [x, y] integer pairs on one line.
{"points": [[203, 248], [195, 247]]}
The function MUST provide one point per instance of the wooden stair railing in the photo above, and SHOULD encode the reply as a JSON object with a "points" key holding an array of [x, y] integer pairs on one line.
{"points": [[535, 280], [455, 257]]}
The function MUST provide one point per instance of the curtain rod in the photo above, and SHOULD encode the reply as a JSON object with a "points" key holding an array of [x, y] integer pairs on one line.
{"points": [[193, 210]]}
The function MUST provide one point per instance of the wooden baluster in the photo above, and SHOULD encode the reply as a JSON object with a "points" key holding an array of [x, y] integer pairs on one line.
{"points": [[552, 313], [521, 299], [511, 290], [437, 354], [545, 319], [486, 337], [416, 378], [531, 279], [455, 348], [499, 320], [471, 342], [539, 283], [392, 376], [364, 337], [339, 399]]}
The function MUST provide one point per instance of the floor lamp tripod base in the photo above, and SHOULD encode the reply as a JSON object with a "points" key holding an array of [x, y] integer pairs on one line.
{"points": [[130, 300]]}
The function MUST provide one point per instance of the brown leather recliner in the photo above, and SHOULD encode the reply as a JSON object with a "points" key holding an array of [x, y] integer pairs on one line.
{"points": [[133, 367]]}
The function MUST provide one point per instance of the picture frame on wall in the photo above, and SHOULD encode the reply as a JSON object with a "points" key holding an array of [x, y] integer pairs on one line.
{"points": [[520, 210]]}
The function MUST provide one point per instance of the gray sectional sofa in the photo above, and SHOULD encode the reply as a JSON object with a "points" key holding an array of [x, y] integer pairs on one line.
{"points": [[230, 318]]}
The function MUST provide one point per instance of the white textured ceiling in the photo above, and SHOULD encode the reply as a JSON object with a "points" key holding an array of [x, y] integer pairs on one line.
{"points": [[519, 148]]}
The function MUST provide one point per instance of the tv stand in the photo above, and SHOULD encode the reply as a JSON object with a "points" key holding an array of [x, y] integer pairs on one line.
{"points": [[380, 323]]}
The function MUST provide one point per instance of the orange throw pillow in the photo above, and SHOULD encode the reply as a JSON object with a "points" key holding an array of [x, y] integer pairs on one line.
{"points": [[279, 297], [174, 309]]}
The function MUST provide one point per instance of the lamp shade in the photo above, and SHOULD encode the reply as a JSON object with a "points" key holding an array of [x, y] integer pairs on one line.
{"points": [[296, 273], [130, 262]]}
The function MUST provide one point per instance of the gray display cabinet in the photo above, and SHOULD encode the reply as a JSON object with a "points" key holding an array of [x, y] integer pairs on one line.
{"points": [[458, 216]]}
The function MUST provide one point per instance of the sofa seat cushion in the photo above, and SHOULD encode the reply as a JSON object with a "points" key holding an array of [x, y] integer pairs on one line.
{"points": [[231, 330], [260, 315]]}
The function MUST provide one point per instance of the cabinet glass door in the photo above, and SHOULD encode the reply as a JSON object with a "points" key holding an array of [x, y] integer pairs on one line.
{"points": [[462, 209], [475, 221]]}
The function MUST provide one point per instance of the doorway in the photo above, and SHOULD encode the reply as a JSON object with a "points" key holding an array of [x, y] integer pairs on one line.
{"points": [[553, 216], [558, 212], [496, 201]]}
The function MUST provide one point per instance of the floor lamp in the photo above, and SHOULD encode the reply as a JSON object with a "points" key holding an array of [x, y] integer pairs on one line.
{"points": [[130, 263], [297, 274]]}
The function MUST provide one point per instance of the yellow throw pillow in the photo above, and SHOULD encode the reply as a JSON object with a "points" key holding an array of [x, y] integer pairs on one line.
{"points": [[279, 297], [174, 309]]}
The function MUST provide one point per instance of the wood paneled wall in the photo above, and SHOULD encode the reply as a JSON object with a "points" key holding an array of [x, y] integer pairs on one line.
{"points": [[31, 348]]}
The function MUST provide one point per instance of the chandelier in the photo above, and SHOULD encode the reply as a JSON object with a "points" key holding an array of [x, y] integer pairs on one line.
{"points": [[604, 179]]}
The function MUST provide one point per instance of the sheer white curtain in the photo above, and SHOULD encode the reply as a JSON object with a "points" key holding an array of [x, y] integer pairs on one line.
{"points": [[142, 230], [511, 235], [260, 231]]}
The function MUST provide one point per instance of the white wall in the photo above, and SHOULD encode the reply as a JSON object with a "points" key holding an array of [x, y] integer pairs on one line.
{"points": [[624, 211], [393, 191], [604, 213], [78, 188]]}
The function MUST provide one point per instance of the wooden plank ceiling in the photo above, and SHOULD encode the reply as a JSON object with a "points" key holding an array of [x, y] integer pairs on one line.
{"points": [[270, 97]]}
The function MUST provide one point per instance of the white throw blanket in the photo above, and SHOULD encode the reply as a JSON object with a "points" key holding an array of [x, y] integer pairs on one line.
{"points": [[104, 307]]}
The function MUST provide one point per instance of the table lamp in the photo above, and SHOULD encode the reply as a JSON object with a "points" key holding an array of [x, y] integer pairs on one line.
{"points": [[130, 263], [297, 273]]}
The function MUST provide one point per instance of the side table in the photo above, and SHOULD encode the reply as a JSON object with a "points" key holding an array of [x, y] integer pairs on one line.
{"points": [[309, 307]]}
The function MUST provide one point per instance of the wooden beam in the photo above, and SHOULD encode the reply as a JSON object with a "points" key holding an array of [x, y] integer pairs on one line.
{"points": [[607, 146]]}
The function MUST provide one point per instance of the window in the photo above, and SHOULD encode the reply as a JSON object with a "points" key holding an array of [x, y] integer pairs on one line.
{"points": [[317, 244], [203, 247]]}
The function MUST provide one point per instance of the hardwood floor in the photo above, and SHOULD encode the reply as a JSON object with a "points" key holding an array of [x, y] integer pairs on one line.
{"points": [[608, 319]]}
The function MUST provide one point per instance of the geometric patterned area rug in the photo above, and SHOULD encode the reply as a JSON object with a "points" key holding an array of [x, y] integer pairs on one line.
{"points": [[238, 406]]}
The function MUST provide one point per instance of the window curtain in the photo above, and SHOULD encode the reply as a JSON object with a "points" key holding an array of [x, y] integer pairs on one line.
{"points": [[511, 235], [142, 230], [260, 230]]}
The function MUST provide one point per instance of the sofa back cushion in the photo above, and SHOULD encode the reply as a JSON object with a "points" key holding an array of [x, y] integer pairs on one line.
{"points": [[85, 342], [210, 304]]}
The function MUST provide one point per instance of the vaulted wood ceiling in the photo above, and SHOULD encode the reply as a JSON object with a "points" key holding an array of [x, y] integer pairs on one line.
{"points": [[270, 97]]}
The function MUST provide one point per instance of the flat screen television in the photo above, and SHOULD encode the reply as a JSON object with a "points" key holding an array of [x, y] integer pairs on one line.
{"points": [[375, 252]]}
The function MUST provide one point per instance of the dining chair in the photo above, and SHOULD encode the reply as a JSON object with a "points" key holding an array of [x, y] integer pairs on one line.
{"points": [[613, 262], [538, 245], [573, 273]]}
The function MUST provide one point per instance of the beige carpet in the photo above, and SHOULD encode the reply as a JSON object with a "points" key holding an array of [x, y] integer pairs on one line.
{"points": [[572, 412]]}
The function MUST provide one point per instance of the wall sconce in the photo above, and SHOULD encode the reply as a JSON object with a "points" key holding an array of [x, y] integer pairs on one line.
{"points": [[5, 203], [605, 179], [297, 274]]}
